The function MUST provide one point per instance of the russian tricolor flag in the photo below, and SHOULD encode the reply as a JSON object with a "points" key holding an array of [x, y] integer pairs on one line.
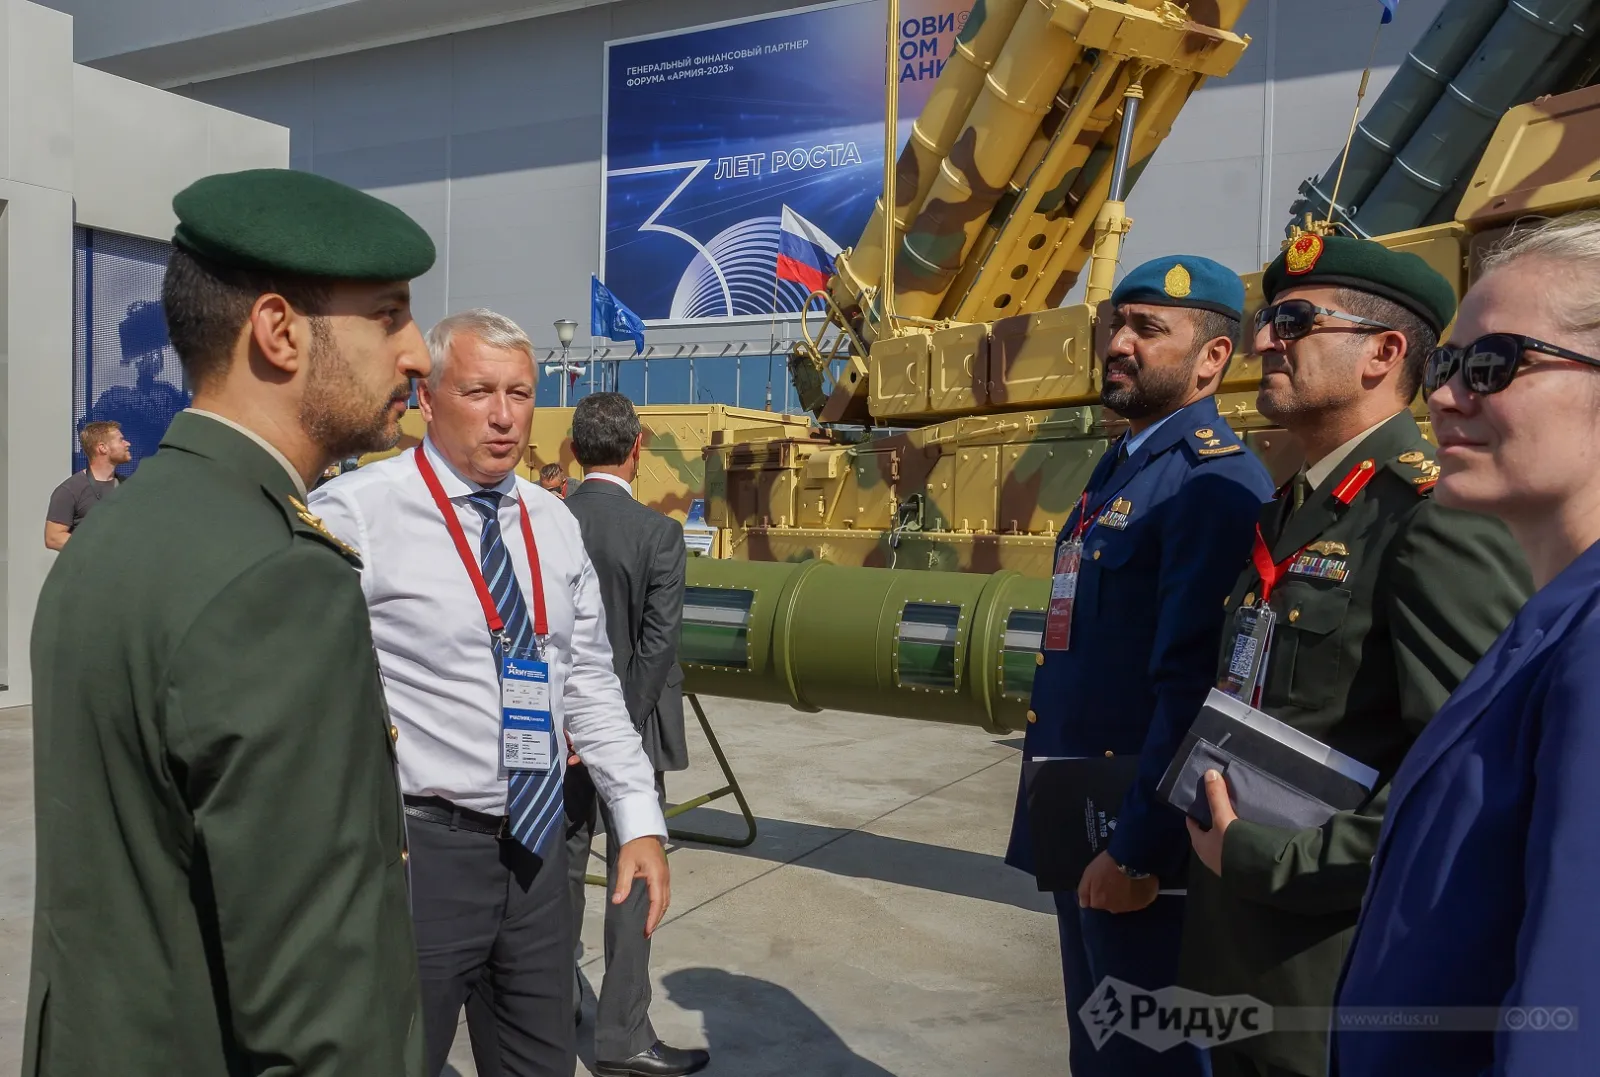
{"points": [[805, 253]]}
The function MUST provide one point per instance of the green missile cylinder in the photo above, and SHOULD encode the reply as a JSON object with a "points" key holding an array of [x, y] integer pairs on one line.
{"points": [[939, 646]]}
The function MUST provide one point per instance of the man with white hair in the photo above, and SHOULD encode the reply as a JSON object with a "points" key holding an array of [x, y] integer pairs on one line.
{"points": [[491, 639]]}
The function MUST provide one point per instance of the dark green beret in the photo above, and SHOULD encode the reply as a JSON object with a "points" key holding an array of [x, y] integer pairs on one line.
{"points": [[1367, 267], [280, 221]]}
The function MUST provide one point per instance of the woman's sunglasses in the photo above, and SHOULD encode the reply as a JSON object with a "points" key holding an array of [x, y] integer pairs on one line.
{"points": [[1296, 318], [1488, 364]]}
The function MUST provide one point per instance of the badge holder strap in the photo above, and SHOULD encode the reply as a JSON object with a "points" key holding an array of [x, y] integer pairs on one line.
{"points": [[491, 615]]}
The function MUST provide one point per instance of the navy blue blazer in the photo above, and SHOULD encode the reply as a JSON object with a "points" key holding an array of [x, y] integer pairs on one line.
{"points": [[1485, 889], [1173, 528]]}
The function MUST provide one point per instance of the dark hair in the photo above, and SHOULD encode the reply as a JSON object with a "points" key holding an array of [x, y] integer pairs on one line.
{"points": [[93, 435], [207, 304], [1208, 326], [1420, 337], [550, 471], [1211, 324], [604, 428]]}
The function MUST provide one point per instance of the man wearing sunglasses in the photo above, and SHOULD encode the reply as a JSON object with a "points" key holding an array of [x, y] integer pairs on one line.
{"points": [[1149, 553], [1377, 602]]}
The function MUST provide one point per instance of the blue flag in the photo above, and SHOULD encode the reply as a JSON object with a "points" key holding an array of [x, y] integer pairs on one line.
{"points": [[610, 318], [1388, 9]]}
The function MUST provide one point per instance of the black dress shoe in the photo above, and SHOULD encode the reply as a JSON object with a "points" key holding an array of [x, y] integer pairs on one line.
{"points": [[659, 1061]]}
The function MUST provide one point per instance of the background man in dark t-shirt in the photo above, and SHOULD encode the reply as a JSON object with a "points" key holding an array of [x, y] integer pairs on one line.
{"points": [[106, 448]]}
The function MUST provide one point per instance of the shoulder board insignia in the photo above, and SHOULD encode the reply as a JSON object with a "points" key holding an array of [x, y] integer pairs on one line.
{"points": [[1221, 450], [315, 523], [1354, 481], [1329, 548], [1205, 432], [1411, 457]]}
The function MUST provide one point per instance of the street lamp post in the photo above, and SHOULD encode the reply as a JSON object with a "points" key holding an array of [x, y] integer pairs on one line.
{"points": [[565, 327]]}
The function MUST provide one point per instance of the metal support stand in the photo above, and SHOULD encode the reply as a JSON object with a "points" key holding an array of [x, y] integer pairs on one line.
{"points": [[732, 788]]}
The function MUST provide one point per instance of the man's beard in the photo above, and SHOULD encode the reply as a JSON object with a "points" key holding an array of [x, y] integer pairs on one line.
{"points": [[1148, 391], [337, 412]]}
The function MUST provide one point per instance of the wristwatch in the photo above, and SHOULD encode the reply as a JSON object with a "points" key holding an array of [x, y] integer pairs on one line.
{"points": [[1130, 873]]}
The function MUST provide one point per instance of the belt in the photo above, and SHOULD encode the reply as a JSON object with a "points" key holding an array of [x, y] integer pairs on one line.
{"points": [[441, 811]]}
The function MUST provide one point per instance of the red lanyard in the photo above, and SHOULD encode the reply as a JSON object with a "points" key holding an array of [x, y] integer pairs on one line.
{"points": [[1085, 517], [541, 626], [1353, 483], [1270, 573]]}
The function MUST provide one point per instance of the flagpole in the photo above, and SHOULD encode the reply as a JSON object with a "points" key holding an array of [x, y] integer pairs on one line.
{"points": [[772, 345]]}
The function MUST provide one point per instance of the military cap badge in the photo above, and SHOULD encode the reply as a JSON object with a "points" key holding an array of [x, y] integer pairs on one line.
{"points": [[1302, 255], [1177, 281]]}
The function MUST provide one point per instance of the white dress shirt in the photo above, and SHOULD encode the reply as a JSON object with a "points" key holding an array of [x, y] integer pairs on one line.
{"points": [[439, 669]]}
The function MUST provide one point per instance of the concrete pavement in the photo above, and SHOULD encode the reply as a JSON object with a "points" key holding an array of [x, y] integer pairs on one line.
{"points": [[870, 930]]}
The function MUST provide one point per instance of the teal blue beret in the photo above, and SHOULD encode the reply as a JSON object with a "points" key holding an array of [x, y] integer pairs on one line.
{"points": [[1345, 262], [276, 220], [1183, 280]]}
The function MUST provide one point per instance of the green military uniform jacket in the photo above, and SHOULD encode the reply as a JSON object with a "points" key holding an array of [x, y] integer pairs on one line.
{"points": [[1361, 664], [221, 875]]}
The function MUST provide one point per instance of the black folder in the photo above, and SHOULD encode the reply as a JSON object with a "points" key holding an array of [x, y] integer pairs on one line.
{"points": [[1276, 775], [1072, 812]]}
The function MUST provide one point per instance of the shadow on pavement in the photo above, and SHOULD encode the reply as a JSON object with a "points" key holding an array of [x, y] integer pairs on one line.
{"points": [[861, 855], [758, 1029]]}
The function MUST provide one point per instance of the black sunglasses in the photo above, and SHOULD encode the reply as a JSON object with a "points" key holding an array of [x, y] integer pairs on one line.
{"points": [[1489, 363], [1296, 318]]}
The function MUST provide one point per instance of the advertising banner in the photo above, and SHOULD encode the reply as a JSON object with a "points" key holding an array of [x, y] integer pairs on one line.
{"points": [[734, 149]]}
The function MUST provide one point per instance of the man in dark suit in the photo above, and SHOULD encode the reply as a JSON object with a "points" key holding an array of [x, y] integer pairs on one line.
{"points": [[638, 555], [222, 859]]}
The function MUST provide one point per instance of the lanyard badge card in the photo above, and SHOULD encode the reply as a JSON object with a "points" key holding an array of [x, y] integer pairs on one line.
{"points": [[1252, 630], [1064, 583], [527, 727]]}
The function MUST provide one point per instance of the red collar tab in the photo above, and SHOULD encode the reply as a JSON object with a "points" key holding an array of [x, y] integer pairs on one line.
{"points": [[1354, 481]]}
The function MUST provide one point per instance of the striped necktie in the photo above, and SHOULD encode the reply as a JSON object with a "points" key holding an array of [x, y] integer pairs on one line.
{"points": [[533, 800]]}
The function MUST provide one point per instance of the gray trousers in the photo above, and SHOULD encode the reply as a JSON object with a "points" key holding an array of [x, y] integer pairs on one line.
{"points": [[493, 923], [622, 1010]]}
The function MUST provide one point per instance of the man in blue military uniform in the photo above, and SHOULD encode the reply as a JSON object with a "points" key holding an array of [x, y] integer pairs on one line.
{"points": [[1159, 536]]}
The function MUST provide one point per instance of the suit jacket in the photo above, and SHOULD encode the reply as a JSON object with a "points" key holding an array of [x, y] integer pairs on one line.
{"points": [[1483, 887], [639, 556], [1374, 630], [221, 875], [1172, 525]]}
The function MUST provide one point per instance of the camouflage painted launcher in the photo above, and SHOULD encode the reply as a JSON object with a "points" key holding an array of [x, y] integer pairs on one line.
{"points": [[1413, 154], [945, 647], [999, 186]]}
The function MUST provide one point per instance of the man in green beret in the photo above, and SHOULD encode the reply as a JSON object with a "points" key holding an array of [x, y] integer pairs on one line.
{"points": [[221, 849], [1380, 602]]}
